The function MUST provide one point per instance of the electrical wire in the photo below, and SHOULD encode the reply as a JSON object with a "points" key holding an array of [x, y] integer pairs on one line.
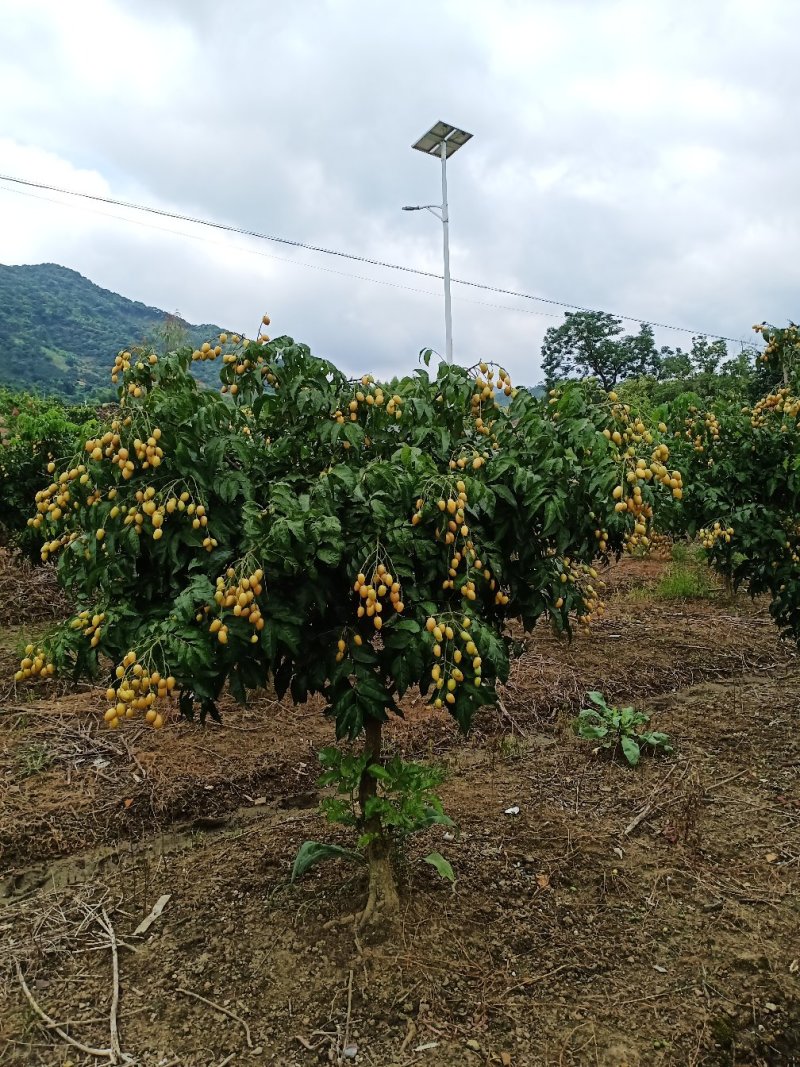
{"points": [[283, 259], [243, 231]]}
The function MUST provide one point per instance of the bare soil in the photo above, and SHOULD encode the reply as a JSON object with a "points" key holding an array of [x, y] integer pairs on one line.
{"points": [[621, 917]]}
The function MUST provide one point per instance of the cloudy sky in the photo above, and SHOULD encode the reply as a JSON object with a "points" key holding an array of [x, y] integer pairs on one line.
{"points": [[639, 157]]}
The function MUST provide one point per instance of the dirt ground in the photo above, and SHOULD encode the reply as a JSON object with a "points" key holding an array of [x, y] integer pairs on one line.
{"points": [[622, 917]]}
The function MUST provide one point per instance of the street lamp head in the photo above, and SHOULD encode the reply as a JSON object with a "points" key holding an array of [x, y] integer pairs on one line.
{"points": [[412, 208], [442, 134]]}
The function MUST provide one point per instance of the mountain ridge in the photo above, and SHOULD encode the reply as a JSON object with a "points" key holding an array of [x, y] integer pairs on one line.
{"points": [[59, 331]]}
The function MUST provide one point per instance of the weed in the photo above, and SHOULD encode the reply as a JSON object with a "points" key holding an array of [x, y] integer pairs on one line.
{"points": [[33, 759], [619, 726], [680, 552], [685, 582], [512, 747]]}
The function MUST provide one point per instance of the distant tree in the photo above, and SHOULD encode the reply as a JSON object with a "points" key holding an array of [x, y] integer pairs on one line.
{"points": [[673, 365], [171, 334], [589, 344], [707, 356]]}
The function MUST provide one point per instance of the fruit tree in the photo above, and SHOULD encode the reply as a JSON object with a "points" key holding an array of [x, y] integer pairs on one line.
{"points": [[743, 470], [346, 538]]}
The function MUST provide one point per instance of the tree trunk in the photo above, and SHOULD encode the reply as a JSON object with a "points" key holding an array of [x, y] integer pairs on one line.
{"points": [[383, 900]]}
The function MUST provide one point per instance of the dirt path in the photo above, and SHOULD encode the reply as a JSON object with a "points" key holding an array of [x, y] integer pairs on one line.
{"points": [[565, 940]]}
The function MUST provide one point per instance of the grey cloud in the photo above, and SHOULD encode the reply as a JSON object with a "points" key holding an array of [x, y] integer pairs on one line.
{"points": [[633, 157]]}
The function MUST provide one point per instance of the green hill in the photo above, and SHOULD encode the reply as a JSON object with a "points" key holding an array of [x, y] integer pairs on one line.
{"points": [[59, 332]]}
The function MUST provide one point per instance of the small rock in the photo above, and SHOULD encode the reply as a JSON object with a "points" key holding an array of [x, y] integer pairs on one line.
{"points": [[769, 1006], [350, 1052], [473, 1045]]}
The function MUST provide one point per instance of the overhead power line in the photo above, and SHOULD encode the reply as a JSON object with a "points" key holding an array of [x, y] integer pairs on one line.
{"points": [[284, 259], [243, 231]]}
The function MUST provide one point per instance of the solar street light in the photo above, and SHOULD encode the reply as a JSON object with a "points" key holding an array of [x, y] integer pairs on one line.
{"points": [[442, 140]]}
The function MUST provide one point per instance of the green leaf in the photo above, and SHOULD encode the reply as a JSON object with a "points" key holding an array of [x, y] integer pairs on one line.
{"points": [[437, 860], [631, 750], [597, 698], [312, 852]]}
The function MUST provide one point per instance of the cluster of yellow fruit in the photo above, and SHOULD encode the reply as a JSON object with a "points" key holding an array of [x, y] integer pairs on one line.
{"points": [[701, 428], [110, 446], [34, 663], [628, 495], [138, 690], [56, 501], [53, 502], [782, 402], [241, 360], [710, 535], [377, 592], [642, 514], [149, 506], [794, 550], [787, 338], [91, 626], [455, 533], [581, 576], [601, 536], [484, 393], [369, 396], [660, 545], [122, 363], [51, 548], [634, 504], [475, 460], [208, 351], [633, 432], [485, 383], [455, 652], [238, 595]]}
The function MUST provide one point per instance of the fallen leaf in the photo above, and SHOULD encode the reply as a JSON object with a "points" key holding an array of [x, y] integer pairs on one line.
{"points": [[771, 857], [128, 801], [543, 881]]}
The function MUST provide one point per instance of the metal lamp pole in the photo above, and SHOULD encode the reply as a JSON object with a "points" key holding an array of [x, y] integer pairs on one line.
{"points": [[443, 140], [448, 311]]}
